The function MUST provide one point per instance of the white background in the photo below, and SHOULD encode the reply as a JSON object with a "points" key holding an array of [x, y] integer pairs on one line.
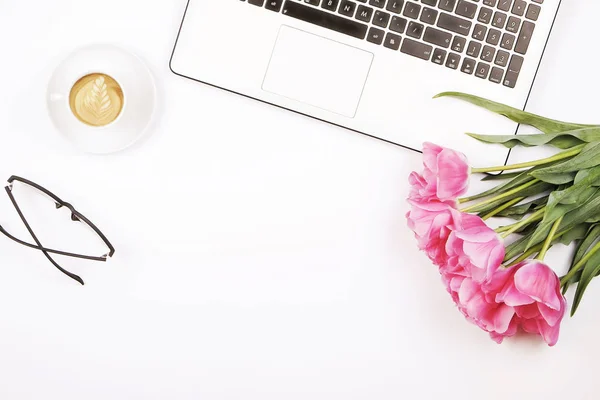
{"points": [[260, 254]]}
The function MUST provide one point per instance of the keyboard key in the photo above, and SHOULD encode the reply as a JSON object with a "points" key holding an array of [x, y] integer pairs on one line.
{"points": [[313, 2], [330, 5], [453, 60], [439, 56], [519, 8], [514, 68], [412, 10], [347, 8], [491, 3], [485, 15], [468, 66], [504, 5], [508, 41], [395, 6], [466, 9], [437, 37], [513, 24], [259, 3], [381, 19], [533, 12], [447, 5], [274, 5], [524, 37], [479, 32], [429, 15], [364, 13], [429, 2], [392, 41], [454, 24], [499, 20], [488, 53], [398, 24], [416, 49], [496, 75], [458, 44], [324, 19], [493, 37], [375, 35], [377, 3], [502, 58], [473, 49], [415, 29], [482, 70]]}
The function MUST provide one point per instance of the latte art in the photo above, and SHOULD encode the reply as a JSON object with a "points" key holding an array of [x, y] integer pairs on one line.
{"points": [[96, 99]]}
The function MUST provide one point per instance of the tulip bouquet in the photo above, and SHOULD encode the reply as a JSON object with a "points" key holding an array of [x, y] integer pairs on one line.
{"points": [[497, 276]]}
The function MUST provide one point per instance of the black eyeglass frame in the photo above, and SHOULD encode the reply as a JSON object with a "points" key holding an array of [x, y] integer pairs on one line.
{"points": [[75, 216]]}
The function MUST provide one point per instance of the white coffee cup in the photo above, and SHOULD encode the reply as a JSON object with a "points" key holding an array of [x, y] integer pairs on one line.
{"points": [[139, 98]]}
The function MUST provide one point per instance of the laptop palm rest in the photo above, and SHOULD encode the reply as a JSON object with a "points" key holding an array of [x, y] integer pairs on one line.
{"points": [[317, 71]]}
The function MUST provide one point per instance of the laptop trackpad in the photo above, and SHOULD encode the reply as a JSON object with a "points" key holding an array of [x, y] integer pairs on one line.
{"points": [[317, 71]]}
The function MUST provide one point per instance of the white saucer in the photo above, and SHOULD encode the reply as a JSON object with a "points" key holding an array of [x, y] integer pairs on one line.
{"points": [[139, 90]]}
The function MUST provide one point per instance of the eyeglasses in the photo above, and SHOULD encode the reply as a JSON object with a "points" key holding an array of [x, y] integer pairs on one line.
{"points": [[76, 216]]}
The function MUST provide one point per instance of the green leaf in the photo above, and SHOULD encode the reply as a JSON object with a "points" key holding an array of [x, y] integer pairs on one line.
{"points": [[545, 125], [588, 158], [564, 201], [516, 248], [558, 178], [576, 233], [586, 244], [578, 216], [562, 140], [591, 269], [518, 211]]}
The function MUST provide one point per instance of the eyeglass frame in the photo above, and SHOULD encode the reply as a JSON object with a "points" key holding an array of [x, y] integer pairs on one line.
{"points": [[75, 216]]}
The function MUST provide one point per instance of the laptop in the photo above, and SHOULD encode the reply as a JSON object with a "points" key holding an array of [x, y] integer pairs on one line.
{"points": [[373, 66]]}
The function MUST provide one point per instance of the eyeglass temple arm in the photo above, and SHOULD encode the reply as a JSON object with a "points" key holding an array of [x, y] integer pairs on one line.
{"points": [[59, 252], [36, 240]]}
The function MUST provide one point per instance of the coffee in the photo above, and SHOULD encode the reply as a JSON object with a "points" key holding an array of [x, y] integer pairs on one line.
{"points": [[96, 99]]}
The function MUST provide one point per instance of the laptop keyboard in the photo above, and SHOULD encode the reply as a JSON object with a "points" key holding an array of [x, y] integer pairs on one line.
{"points": [[484, 38]]}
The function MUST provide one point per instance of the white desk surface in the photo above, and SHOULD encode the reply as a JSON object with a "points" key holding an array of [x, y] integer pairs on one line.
{"points": [[260, 254]]}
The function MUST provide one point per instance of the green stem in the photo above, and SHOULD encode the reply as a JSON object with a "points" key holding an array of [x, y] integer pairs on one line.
{"points": [[501, 196], [509, 230], [579, 265], [549, 239], [502, 208], [560, 156]]}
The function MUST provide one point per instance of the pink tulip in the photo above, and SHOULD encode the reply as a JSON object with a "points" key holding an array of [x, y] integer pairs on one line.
{"points": [[526, 296], [445, 176], [532, 289]]}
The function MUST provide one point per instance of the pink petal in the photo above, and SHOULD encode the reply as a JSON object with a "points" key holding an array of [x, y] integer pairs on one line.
{"points": [[430, 154], [552, 317], [468, 290], [503, 317], [536, 280], [498, 338], [512, 297], [549, 333], [453, 174], [529, 311]]}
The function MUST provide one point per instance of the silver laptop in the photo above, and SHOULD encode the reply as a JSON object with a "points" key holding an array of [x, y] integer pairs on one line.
{"points": [[373, 66]]}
